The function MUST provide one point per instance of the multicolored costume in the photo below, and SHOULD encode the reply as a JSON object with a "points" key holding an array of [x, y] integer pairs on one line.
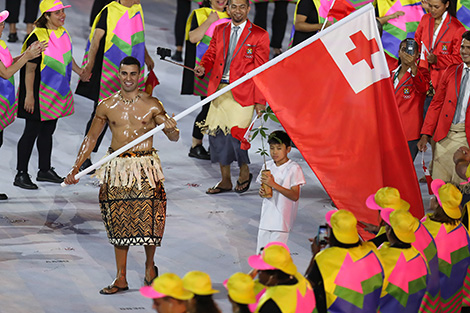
{"points": [[55, 99], [427, 247], [193, 84], [8, 105], [352, 278], [406, 277], [124, 37], [453, 252], [297, 298], [132, 198]]}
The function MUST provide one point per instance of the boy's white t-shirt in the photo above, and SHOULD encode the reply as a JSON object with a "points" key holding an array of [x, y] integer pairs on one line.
{"points": [[278, 212]]}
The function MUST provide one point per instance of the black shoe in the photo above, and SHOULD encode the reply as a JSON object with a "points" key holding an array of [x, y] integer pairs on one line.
{"points": [[49, 176], [13, 37], [87, 163], [199, 152], [178, 56], [3, 196], [22, 180]]}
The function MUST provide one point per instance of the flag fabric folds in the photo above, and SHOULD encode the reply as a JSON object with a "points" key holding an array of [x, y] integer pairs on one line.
{"points": [[340, 9], [336, 101]]}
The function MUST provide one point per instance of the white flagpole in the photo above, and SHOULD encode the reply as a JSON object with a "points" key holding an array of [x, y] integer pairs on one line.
{"points": [[239, 81], [326, 19]]}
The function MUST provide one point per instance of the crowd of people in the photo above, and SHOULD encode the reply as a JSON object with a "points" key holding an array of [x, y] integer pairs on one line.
{"points": [[410, 265]]}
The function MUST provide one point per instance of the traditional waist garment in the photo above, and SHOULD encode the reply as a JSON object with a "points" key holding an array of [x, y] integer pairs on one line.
{"points": [[406, 277], [452, 243], [200, 84], [55, 96], [8, 104], [352, 278], [132, 199], [124, 37], [297, 298]]}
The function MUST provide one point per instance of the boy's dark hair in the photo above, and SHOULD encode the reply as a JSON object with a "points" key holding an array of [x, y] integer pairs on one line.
{"points": [[466, 35], [129, 61], [279, 137]]}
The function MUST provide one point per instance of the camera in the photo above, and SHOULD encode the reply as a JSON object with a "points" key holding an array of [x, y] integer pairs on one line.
{"points": [[322, 235], [163, 52], [411, 46]]}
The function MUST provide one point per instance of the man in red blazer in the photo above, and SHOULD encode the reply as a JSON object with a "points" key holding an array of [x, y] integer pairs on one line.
{"points": [[236, 48], [448, 120]]}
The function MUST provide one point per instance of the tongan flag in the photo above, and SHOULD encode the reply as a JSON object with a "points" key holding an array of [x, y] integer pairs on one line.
{"points": [[333, 95], [340, 9]]}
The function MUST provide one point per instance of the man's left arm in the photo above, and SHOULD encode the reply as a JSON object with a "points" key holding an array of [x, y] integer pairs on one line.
{"points": [[148, 60], [170, 130], [261, 56]]}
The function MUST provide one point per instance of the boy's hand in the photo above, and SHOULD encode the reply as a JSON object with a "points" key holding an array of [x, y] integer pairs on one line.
{"points": [[262, 193], [268, 179]]}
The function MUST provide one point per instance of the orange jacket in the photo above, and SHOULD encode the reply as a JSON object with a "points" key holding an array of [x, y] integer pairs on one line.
{"points": [[447, 45], [252, 50], [442, 108]]}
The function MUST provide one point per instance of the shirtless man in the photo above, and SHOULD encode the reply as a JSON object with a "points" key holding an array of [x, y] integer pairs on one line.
{"points": [[132, 197]]}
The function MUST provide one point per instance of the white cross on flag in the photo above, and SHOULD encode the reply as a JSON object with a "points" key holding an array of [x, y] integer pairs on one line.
{"points": [[334, 97]]}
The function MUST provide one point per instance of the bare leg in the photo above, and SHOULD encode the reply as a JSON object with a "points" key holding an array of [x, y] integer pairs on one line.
{"points": [[226, 181], [150, 273], [196, 142], [12, 28], [121, 265], [29, 28]]}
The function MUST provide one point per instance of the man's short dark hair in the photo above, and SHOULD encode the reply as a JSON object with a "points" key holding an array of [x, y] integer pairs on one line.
{"points": [[279, 137], [466, 35], [247, 2], [129, 61]]}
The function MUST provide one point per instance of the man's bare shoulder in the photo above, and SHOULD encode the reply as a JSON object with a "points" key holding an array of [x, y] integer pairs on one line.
{"points": [[153, 103]]}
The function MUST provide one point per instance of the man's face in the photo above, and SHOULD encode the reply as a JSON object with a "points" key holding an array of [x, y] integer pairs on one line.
{"points": [[465, 51], [129, 77], [238, 11]]}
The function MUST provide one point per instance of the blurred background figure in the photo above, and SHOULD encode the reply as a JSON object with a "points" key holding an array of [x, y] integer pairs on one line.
{"points": [[98, 5], [168, 294], [183, 7], [278, 21], [199, 30], [200, 284], [30, 15], [241, 292]]}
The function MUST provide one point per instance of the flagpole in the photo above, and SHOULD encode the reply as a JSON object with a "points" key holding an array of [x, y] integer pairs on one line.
{"points": [[326, 19], [229, 87]]}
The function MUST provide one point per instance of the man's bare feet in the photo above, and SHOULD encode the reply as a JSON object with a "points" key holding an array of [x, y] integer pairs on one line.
{"points": [[150, 274]]}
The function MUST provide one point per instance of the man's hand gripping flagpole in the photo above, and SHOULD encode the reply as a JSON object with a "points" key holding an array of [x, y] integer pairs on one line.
{"points": [[198, 105]]}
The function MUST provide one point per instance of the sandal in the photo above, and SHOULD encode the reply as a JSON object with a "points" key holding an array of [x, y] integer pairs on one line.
{"points": [[216, 189], [149, 282], [112, 289], [247, 182]]}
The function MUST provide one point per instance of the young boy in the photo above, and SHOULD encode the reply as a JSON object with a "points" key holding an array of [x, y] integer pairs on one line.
{"points": [[278, 212]]}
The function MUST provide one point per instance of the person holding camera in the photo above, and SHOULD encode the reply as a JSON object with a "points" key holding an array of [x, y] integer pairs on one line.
{"points": [[411, 84], [199, 30], [448, 120], [105, 49], [347, 264]]}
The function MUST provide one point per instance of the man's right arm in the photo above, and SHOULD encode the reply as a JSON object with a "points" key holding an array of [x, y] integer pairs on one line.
{"points": [[208, 58], [434, 110], [88, 144]]}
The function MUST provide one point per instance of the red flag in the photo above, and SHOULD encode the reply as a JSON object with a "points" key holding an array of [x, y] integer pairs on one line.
{"points": [[340, 9], [336, 101], [150, 82]]}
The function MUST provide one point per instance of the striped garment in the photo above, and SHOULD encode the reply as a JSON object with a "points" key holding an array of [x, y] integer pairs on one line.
{"points": [[8, 103]]}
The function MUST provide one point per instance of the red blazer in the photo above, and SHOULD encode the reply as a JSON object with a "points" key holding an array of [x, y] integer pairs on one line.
{"points": [[410, 94], [251, 51], [447, 45], [442, 108]]}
